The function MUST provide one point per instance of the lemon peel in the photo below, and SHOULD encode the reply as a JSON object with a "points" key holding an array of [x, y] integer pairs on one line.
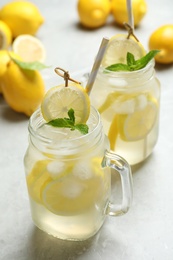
{"points": [[5, 36]]}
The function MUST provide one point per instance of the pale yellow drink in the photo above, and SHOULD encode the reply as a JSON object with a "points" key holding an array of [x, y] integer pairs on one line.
{"points": [[129, 105], [68, 178]]}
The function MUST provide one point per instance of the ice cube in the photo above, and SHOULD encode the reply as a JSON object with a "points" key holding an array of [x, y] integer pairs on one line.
{"points": [[72, 189], [83, 170], [141, 102], [126, 107], [55, 168], [118, 82]]}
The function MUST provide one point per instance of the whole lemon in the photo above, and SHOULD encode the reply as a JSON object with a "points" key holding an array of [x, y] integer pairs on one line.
{"points": [[4, 60], [162, 39], [22, 17], [5, 36], [22, 89], [93, 13], [119, 11]]}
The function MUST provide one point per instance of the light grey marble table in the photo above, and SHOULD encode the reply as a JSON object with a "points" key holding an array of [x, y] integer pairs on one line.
{"points": [[146, 232]]}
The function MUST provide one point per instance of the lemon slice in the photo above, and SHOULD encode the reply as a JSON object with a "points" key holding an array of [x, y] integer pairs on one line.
{"points": [[110, 100], [118, 47], [113, 132], [72, 195], [43, 172], [136, 126], [37, 179], [29, 48], [5, 36], [60, 99]]}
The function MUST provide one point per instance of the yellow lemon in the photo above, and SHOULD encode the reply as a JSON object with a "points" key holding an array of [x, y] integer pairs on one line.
{"points": [[29, 48], [93, 13], [119, 11], [60, 99], [22, 89], [4, 60], [118, 47], [22, 17], [5, 36], [162, 39]]}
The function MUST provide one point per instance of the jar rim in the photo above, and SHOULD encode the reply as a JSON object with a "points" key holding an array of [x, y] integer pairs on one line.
{"points": [[128, 73], [36, 120]]}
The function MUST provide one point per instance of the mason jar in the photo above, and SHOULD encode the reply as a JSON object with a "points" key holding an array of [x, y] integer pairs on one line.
{"points": [[129, 104], [69, 180]]}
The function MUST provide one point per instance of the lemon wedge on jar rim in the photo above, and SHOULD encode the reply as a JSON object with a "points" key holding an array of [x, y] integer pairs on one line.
{"points": [[118, 47], [60, 99]]}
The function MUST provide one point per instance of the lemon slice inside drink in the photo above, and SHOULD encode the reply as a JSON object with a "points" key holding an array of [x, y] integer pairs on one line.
{"points": [[134, 126], [76, 192], [118, 47], [66, 188], [44, 172], [60, 99], [137, 126], [37, 179]]}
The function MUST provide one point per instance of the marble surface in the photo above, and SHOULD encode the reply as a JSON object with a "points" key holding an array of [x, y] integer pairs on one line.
{"points": [[146, 231]]}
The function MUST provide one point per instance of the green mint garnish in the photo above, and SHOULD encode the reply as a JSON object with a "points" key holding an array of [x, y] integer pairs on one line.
{"points": [[36, 65], [69, 123], [133, 64]]}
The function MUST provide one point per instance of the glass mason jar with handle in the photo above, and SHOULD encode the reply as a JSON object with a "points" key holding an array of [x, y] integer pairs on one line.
{"points": [[68, 177], [129, 106]]}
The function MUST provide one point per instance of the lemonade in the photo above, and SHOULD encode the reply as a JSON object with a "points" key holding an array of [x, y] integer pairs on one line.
{"points": [[127, 93], [68, 166], [68, 188]]}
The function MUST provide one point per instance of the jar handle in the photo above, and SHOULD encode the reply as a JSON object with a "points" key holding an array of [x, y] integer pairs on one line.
{"points": [[120, 165]]}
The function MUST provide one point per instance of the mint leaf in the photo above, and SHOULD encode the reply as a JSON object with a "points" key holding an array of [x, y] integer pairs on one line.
{"points": [[36, 65], [130, 59], [118, 67], [71, 115], [69, 123], [61, 122], [142, 62], [83, 128], [133, 64]]}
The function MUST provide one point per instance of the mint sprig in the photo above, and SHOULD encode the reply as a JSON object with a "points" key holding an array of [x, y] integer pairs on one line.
{"points": [[36, 65], [133, 64], [69, 123]]}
